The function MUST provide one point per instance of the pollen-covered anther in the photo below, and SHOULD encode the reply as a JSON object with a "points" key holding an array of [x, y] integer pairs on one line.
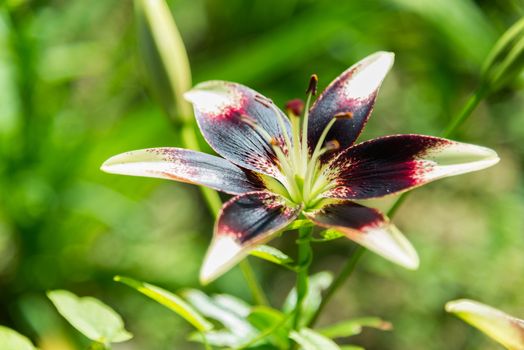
{"points": [[343, 115], [274, 142], [332, 145], [312, 87]]}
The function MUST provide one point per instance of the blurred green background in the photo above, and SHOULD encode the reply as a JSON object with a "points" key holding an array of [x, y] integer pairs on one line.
{"points": [[73, 93]]}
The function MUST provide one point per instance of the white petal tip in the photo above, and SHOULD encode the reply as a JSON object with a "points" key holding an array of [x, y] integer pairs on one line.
{"points": [[223, 253]]}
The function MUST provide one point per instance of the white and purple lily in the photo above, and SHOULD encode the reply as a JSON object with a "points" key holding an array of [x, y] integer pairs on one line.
{"points": [[280, 167]]}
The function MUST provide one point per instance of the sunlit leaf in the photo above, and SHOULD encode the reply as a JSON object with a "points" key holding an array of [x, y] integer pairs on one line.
{"points": [[271, 254], [354, 327], [311, 340], [236, 323], [273, 322], [317, 283], [11, 340], [503, 328], [506, 60], [169, 300], [90, 316]]}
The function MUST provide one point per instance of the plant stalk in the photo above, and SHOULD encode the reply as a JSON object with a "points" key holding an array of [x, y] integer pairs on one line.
{"points": [[305, 256]]}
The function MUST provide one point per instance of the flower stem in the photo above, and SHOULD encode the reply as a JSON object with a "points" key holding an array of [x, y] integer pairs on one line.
{"points": [[305, 256], [190, 140], [359, 251], [466, 111], [255, 288]]}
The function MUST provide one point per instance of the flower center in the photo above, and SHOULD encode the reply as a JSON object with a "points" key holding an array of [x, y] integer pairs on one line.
{"points": [[303, 181]]}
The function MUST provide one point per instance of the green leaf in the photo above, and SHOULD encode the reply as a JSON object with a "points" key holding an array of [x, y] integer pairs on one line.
{"points": [[329, 235], [234, 320], [354, 327], [308, 339], [351, 347], [164, 55], [271, 254], [506, 60], [11, 340], [503, 328], [317, 283], [90, 316], [272, 324], [169, 300], [295, 225]]}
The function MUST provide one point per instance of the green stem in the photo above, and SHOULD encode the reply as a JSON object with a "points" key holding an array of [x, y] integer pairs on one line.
{"points": [[466, 111], [255, 288], [305, 256], [190, 140], [353, 260], [344, 274]]}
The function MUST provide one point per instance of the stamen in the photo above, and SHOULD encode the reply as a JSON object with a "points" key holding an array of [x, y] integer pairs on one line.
{"points": [[312, 87], [276, 146], [343, 115], [295, 107]]}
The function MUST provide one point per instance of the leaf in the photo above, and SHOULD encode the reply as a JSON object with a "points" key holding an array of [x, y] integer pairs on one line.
{"points": [[351, 347], [11, 340], [271, 322], [317, 283], [354, 327], [308, 339], [239, 329], [169, 300], [271, 254], [164, 55], [329, 235], [501, 327], [90, 316]]}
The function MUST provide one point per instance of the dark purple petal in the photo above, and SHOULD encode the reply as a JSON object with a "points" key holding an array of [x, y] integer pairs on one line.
{"points": [[353, 94], [367, 227], [185, 166], [244, 222], [226, 113], [397, 163]]}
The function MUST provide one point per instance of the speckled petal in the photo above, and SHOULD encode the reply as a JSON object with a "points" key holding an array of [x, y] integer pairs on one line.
{"points": [[225, 113], [245, 222], [185, 166], [503, 328], [353, 93], [398, 163], [367, 227]]}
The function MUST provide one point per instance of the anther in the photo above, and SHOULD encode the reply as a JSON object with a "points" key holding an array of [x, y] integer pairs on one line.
{"points": [[312, 87], [332, 145], [274, 142], [295, 107], [343, 115]]}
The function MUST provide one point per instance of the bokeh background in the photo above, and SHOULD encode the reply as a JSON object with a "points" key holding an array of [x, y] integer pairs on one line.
{"points": [[73, 93]]}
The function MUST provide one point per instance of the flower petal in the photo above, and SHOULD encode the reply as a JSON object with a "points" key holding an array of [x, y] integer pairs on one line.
{"points": [[353, 93], [225, 113], [367, 227], [503, 328], [185, 166], [398, 163], [244, 222]]}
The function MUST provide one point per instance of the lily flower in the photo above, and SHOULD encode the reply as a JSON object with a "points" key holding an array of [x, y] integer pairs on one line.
{"points": [[501, 327], [283, 166]]}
